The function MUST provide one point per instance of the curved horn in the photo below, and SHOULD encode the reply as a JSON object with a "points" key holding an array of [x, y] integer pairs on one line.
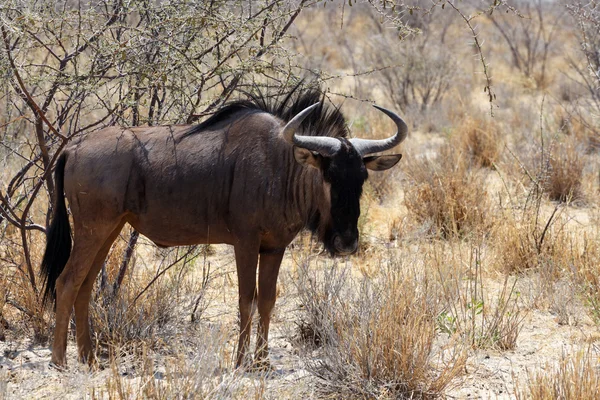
{"points": [[367, 146], [326, 146]]}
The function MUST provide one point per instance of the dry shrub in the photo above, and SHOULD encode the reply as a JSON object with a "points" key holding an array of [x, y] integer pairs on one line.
{"points": [[575, 377], [153, 305], [531, 241], [481, 140], [564, 302], [564, 181], [4, 379], [482, 316], [196, 367], [447, 195], [380, 336], [21, 311], [320, 295], [585, 266]]}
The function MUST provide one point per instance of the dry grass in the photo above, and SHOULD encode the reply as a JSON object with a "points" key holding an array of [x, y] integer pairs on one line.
{"points": [[531, 240], [564, 182], [484, 314], [575, 377], [585, 267], [153, 307], [446, 195], [378, 336], [481, 140]]}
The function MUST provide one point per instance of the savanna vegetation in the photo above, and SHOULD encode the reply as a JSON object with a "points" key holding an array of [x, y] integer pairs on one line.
{"points": [[478, 272]]}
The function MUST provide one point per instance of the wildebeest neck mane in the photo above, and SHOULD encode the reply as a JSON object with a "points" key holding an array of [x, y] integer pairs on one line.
{"points": [[324, 121]]}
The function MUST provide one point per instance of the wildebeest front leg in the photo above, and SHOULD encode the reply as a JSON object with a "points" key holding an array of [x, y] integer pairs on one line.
{"points": [[246, 259], [267, 292]]}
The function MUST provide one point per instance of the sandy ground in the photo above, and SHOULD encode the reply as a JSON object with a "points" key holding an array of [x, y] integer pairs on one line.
{"points": [[490, 374], [541, 343], [25, 373]]}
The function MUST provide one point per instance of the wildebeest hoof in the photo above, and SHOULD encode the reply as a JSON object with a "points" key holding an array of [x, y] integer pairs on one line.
{"points": [[262, 365], [57, 367]]}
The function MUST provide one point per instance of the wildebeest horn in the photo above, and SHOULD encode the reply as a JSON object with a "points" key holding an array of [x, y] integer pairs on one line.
{"points": [[367, 146], [326, 146]]}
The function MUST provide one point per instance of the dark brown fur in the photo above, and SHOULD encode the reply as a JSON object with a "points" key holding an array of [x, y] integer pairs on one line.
{"points": [[232, 179]]}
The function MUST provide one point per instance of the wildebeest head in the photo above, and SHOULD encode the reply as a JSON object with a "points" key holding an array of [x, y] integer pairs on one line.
{"points": [[343, 164]]}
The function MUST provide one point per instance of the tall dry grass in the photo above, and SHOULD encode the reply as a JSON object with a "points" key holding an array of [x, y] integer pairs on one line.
{"points": [[377, 337], [154, 306], [481, 140], [575, 377], [564, 182], [446, 195], [482, 312]]}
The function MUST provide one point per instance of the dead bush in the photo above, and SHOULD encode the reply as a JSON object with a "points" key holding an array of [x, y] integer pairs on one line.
{"points": [[564, 181], [586, 69], [483, 315], [153, 305], [380, 337], [481, 141], [531, 38], [446, 195], [417, 78], [585, 267], [575, 377]]}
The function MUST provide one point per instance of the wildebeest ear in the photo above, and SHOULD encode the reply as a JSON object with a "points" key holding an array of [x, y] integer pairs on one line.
{"points": [[307, 157], [381, 163]]}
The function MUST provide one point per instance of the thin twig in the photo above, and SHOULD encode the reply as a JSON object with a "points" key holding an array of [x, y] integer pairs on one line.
{"points": [[162, 272], [478, 45]]}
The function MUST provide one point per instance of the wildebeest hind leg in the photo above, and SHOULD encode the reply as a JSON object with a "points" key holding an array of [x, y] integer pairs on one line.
{"points": [[87, 243], [267, 292], [82, 302], [246, 259]]}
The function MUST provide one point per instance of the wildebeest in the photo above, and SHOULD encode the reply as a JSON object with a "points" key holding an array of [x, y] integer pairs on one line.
{"points": [[242, 177]]}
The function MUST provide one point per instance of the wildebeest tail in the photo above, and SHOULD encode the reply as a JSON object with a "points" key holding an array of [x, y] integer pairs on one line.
{"points": [[58, 237]]}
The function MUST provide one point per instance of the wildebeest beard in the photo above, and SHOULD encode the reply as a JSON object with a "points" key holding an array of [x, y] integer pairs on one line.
{"points": [[322, 229]]}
